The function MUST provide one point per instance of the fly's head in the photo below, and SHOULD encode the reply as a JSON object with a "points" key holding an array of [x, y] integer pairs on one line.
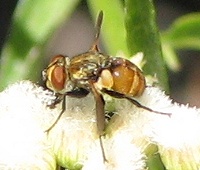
{"points": [[56, 75]]}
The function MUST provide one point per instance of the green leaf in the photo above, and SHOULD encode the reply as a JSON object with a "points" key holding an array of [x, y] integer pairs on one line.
{"points": [[33, 24], [113, 29], [170, 56], [143, 36], [184, 32]]}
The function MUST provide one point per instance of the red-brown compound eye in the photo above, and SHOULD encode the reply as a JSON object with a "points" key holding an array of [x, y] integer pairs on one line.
{"points": [[58, 78], [127, 77], [56, 74]]}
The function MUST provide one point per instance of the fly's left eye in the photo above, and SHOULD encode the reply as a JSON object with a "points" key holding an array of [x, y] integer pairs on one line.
{"points": [[56, 74], [58, 77]]}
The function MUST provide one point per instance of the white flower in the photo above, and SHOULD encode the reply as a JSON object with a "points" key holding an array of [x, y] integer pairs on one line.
{"points": [[23, 144], [73, 142]]}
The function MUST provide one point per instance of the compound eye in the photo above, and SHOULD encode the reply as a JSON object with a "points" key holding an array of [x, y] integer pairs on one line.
{"points": [[58, 78], [57, 75]]}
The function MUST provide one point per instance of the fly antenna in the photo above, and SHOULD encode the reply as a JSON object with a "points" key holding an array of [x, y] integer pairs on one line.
{"points": [[94, 47]]}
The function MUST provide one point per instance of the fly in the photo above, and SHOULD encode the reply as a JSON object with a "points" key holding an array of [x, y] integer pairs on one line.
{"points": [[97, 73]]}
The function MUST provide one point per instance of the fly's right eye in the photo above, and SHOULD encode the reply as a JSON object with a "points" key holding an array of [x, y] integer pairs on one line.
{"points": [[56, 74]]}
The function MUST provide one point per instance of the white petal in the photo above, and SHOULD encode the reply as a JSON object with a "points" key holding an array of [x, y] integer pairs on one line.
{"points": [[23, 143]]}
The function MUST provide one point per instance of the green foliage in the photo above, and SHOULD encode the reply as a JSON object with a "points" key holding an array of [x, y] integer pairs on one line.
{"points": [[33, 23], [184, 33], [143, 36]]}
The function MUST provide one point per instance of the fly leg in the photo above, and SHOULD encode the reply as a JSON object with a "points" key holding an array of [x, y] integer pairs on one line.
{"points": [[59, 116], [100, 117], [136, 103], [77, 93]]}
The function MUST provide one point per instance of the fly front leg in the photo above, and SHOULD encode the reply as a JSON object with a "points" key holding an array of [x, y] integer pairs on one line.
{"points": [[58, 99], [77, 93], [59, 116]]}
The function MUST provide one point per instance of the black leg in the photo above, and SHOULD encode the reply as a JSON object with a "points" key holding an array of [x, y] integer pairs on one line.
{"points": [[119, 95], [59, 116], [77, 93], [58, 99]]}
